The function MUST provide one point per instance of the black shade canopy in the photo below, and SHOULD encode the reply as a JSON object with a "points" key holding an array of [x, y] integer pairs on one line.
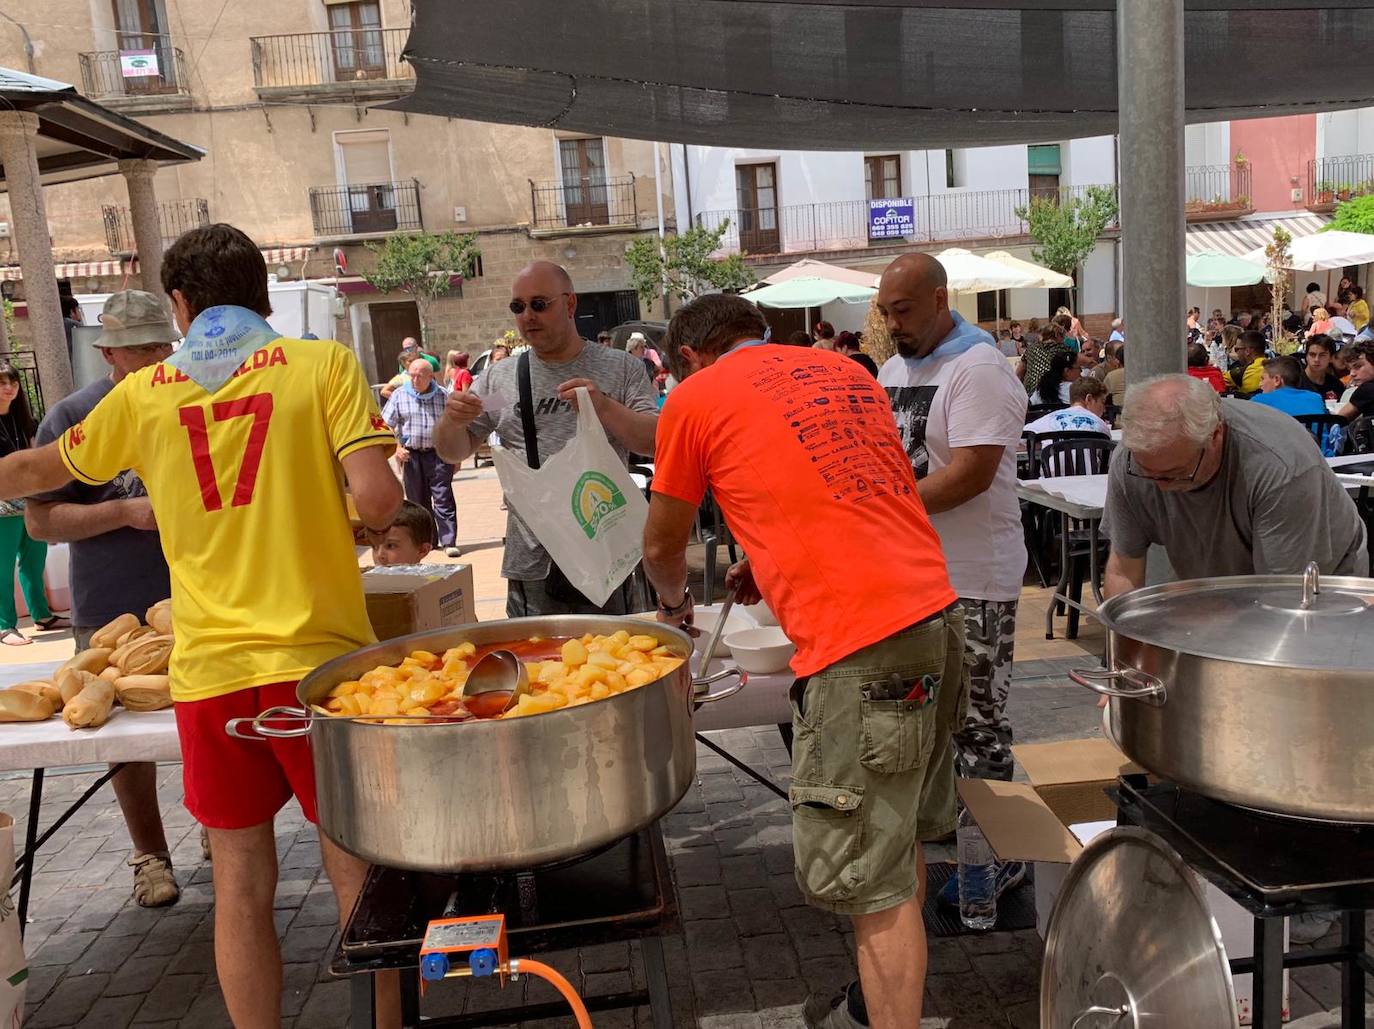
{"points": [[864, 74]]}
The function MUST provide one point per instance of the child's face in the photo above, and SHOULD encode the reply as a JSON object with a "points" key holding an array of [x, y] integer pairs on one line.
{"points": [[398, 548]]}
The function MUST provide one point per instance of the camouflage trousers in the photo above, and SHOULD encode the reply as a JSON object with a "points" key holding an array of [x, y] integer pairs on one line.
{"points": [[984, 744]]}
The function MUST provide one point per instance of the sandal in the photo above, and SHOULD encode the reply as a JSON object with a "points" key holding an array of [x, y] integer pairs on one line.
{"points": [[154, 884], [54, 622], [13, 638]]}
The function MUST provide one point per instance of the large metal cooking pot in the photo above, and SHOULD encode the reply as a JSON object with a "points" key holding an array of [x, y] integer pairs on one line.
{"points": [[1258, 690], [499, 794]]}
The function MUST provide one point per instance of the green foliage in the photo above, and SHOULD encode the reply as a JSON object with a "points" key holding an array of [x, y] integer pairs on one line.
{"points": [[686, 268], [419, 266], [10, 333], [1277, 259], [1067, 227], [1354, 215]]}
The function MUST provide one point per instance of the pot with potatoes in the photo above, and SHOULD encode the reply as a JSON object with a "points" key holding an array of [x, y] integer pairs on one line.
{"points": [[410, 774]]}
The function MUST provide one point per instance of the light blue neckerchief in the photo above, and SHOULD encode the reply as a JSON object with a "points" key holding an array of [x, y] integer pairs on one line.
{"points": [[961, 339], [409, 387], [743, 344], [220, 341]]}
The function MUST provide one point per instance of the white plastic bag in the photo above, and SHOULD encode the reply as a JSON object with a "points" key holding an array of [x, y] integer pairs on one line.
{"points": [[582, 506], [14, 967]]}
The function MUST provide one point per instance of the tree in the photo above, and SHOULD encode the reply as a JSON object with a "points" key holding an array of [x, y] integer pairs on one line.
{"points": [[685, 268], [1277, 259], [1353, 215], [420, 265], [1067, 227]]}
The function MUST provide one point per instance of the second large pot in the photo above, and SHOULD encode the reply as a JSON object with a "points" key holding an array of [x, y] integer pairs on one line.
{"points": [[1258, 690], [507, 793]]}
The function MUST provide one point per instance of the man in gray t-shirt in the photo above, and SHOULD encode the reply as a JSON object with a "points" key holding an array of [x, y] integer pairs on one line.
{"points": [[1227, 487], [544, 305]]}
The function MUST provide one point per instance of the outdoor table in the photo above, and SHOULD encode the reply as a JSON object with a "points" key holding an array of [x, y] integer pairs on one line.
{"points": [[37, 746], [1081, 497]]}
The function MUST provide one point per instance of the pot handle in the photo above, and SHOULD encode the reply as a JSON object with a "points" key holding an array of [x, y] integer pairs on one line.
{"points": [[272, 714], [729, 691], [1148, 689]]}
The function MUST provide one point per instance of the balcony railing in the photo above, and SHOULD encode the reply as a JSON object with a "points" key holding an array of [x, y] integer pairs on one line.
{"points": [[368, 209], [347, 60], [848, 225], [1215, 191], [590, 201], [144, 66], [1333, 179], [173, 216]]}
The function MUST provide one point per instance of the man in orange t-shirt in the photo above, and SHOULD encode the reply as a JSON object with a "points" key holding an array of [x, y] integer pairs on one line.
{"points": [[799, 449]]}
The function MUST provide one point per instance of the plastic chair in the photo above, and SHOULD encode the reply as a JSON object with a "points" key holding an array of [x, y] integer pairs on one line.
{"points": [[1038, 411], [1328, 430], [1079, 555]]}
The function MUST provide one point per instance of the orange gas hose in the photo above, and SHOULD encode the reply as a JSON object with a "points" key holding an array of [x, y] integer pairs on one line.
{"points": [[552, 976]]}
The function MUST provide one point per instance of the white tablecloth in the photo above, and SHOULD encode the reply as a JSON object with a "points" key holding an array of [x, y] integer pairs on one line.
{"points": [[1087, 490], [127, 736]]}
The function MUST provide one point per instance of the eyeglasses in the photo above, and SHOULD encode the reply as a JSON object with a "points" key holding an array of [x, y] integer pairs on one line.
{"points": [[1132, 470], [537, 304]]}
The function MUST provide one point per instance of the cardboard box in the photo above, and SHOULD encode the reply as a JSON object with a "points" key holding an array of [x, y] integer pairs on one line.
{"points": [[1049, 820], [415, 601]]}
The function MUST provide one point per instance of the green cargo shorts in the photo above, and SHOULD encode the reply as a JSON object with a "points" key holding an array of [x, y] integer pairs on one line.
{"points": [[873, 764]]}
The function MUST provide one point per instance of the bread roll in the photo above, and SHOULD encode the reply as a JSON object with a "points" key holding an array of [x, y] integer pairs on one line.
{"points": [[144, 692], [94, 660], [108, 634], [90, 708], [23, 706], [42, 688], [70, 682]]}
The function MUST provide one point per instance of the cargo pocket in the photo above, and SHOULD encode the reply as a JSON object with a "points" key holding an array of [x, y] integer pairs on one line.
{"points": [[827, 836], [896, 733]]}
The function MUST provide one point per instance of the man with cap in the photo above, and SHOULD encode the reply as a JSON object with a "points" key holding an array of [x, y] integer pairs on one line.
{"points": [[117, 565]]}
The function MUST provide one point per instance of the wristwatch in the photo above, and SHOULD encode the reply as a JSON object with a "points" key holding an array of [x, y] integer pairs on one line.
{"points": [[679, 609]]}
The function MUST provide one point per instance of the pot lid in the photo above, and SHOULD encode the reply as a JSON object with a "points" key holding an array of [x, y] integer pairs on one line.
{"points": [[1131, 943], [1288, 621]]}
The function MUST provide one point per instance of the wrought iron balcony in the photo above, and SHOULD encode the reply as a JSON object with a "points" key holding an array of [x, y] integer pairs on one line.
{"points": [[1333, 179], [847, 225], [368, 209], [344, 61], [146, 67], [1217, 191], [583, 202], [174, 217]]}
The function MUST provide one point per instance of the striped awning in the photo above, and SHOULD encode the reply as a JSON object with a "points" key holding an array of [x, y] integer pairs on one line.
{"points": [[76, 270], [285, 255], [1242, 235]]}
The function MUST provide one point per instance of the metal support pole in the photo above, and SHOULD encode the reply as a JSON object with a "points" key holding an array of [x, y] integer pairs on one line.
{"points": [[1149, 40]]}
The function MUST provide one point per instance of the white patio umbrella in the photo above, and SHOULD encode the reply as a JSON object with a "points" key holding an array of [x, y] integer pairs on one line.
{"points": [[1047, 278], [809, 269], [969, 273], [1325, 250]]}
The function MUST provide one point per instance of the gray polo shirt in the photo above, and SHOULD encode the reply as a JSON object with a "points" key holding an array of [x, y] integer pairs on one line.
{"points": [[1273, 506], [617, 374]]}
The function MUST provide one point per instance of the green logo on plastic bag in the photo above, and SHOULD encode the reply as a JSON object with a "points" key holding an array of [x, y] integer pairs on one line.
{"points": [[594, 497]]}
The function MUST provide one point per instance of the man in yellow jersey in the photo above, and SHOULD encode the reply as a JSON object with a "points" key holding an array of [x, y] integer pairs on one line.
{"points": [[242, 438]]}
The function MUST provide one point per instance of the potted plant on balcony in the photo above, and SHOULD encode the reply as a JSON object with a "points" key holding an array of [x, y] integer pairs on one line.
{"points": [[1325, 193]]}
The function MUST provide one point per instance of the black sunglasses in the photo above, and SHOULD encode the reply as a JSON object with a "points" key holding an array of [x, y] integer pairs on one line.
{"points": [[537, 304]]}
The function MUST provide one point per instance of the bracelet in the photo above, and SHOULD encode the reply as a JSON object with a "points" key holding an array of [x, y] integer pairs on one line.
{"points": [[679, 608]]}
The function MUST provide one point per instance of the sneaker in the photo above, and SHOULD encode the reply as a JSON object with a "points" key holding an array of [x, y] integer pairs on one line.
{"points": [[1010, 874], [154, 884], [454, 551], [831, 1012], [1309, 928]]}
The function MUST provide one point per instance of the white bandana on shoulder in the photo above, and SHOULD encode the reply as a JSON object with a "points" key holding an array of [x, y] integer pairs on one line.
{"points": [[220, 341]]}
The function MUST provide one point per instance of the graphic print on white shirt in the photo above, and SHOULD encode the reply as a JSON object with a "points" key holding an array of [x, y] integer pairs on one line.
{"points": [[911, 408]]}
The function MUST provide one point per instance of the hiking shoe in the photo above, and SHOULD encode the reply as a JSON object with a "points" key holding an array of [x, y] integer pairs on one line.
{"points": [[1010, 874], [154, 884], [1309, 928], [832, 1012]]}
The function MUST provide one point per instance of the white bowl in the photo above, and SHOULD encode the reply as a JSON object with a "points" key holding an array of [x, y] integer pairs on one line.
{"points": [[705, 622], [762, 651], [761, 613]]}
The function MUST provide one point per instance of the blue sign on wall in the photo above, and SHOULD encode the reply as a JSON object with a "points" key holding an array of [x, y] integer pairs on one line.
{"points": [[891, 218]]}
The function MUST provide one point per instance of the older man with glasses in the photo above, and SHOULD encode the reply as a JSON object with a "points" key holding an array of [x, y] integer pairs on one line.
{"points": [[1226, 487], [530, 402]]}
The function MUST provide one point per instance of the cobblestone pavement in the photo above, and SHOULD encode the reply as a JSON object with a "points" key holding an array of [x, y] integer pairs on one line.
{"points": [[749, 953]]}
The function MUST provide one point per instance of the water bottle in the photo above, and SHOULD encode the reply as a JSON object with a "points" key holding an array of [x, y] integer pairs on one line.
{"points": [[977, 875]]}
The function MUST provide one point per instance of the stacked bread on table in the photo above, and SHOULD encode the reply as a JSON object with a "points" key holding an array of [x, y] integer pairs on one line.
{"points": [[125, 664]]}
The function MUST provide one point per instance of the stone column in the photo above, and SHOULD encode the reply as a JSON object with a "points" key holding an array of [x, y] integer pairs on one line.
{"points": [[1149, 41], [138, 178], [18, 131]]}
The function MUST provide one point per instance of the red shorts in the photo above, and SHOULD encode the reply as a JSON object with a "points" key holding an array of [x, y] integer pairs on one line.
{"points": [[232, 783]]}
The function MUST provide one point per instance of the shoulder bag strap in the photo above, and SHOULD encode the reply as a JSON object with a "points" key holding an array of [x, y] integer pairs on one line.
{"points": [[522, 370]]}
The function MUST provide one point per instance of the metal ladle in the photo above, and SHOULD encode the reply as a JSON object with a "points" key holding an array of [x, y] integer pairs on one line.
{"points": [[498, 672]]}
